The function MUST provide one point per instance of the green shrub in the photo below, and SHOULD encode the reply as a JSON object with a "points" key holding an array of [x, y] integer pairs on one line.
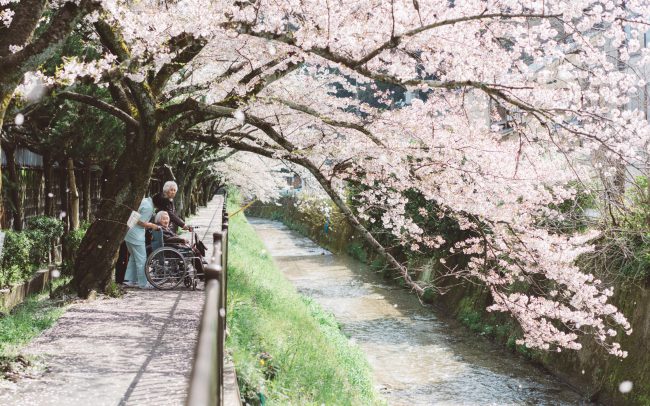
{"points": [[357, 251], [44, 232], [71, 243], [16, 264]]}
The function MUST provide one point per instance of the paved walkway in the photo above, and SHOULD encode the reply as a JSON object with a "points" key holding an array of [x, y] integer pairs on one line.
{"points": [[136, 350]]}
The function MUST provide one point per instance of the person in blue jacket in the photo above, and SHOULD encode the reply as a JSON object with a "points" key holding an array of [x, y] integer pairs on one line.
{"points": [[135, 243]]}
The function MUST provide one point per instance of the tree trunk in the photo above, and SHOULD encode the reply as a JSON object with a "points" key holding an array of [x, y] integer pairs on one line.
{"points": [[187, 193], [87, 202], [14, 188], [74, 196], [47, 181], [107, 172], [6, 93], [64, 214], [206, 185], [123, 191], [179, 200], [192, 195]]}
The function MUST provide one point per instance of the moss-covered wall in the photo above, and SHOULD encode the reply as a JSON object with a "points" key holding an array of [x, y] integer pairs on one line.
{"points": [[591, 370]]}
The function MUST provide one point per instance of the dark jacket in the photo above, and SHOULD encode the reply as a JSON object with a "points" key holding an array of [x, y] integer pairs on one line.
{"points": [[164, 204], [171, 237]]}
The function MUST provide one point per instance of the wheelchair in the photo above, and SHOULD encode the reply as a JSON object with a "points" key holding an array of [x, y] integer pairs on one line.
{"points": [[171, 264]]}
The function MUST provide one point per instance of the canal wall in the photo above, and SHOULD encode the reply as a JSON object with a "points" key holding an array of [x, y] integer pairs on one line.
{"points": [[591, 370]]}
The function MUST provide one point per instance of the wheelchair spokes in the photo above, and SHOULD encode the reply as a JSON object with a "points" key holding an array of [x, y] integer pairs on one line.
{"points": [[166, 268]]}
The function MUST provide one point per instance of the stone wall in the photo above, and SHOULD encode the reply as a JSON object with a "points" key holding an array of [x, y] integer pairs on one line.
{"points": [[10, 297]]}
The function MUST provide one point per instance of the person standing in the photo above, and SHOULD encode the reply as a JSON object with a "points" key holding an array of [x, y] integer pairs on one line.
{"points": [[135, 244], [164, 201]]}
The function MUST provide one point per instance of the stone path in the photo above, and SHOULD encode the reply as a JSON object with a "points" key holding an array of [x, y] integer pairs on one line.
{"points": [[136, 350]]}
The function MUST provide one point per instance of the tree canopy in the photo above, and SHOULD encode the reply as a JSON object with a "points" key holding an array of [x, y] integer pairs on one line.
{"points": [[500, 112]]}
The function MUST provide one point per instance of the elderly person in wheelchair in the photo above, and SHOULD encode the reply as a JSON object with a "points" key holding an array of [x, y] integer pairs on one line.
{"points": [[173, 260], [169, 236]]}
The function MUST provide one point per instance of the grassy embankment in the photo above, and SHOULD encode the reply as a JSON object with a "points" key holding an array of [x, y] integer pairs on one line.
{"points": [[25, 322], [284, 345]]}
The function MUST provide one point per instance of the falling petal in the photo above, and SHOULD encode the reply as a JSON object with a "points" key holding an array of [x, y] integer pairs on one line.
{"points": [[20, 119], [625, 386], [239, 116], [35, 91]]}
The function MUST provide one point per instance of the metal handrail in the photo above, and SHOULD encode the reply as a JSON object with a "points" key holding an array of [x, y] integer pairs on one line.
{"points": [[206, 381], [205, 386]]}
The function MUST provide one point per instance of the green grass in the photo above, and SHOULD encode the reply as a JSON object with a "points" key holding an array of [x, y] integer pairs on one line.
{"points": [[284, 345], [28, 320]]}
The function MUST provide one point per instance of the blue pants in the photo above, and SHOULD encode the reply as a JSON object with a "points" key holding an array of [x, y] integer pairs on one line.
{"points": [[135, 267]]}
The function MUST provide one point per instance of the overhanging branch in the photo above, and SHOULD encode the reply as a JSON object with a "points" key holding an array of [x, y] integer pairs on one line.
{"points": [[101, 105]]}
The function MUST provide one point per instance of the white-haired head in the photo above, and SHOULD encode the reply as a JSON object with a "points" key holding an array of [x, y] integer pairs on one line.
{"points": [[160, 215], [168, 186]]}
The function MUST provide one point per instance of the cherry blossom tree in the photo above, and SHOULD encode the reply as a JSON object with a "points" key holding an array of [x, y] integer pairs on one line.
{"points": [[510, 100], [30, 30]]}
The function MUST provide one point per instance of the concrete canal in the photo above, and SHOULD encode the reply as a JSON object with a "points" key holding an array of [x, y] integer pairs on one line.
{"points": [[418, 357]]}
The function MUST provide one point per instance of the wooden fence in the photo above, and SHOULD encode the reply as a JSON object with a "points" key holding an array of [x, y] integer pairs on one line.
{"points": [[29, 180]]}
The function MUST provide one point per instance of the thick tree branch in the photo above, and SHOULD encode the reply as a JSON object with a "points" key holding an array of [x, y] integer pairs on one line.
{"points": [[188, 89], [63, 21], [101, 105], [192, 49], [26, 16], [288, 38], [396, 40], [264, 80], [358, 65], [120, 96], [111, 38]]}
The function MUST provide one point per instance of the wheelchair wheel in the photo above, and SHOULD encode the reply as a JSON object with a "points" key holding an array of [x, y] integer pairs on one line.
{"points": [[165, 268]]}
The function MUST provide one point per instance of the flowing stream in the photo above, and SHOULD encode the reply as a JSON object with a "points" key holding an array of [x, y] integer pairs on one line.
{"points": [[417, 356]]}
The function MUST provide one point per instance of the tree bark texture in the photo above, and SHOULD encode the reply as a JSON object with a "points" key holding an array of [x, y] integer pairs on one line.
{"points": [[123, 192], [63, 196], [48, 190], [18, 212], [87, 200], [73, 195]]}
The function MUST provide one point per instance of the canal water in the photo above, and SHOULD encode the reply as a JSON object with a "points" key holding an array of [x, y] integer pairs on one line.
{"points": [[417, 357]]}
